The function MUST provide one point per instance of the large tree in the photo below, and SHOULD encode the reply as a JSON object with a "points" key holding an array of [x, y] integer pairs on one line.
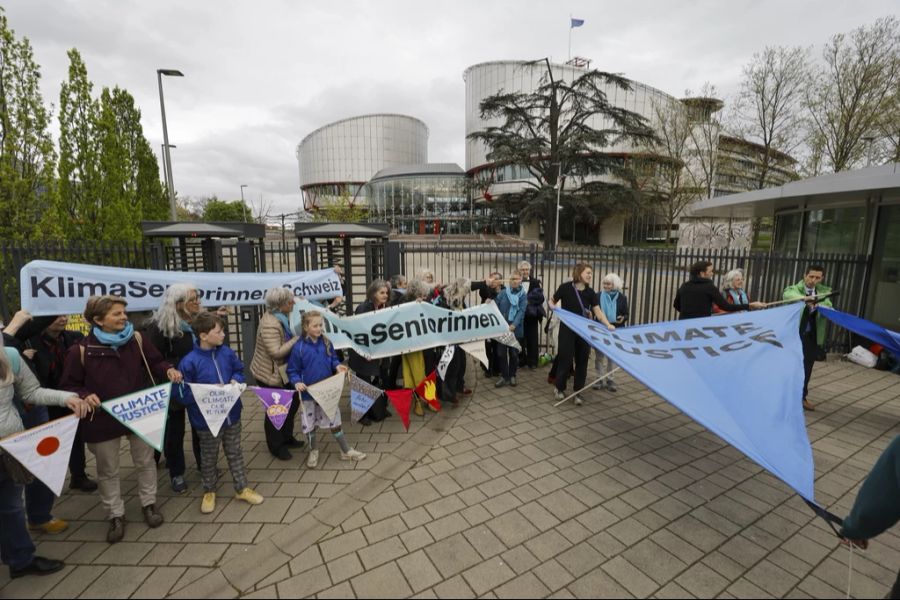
{"points": [[558, 133], [854, 92], [27, 155], [770, 104], [221, 210]]}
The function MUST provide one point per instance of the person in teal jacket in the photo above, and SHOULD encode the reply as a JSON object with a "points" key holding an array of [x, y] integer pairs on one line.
{"points": [[877, 506], [812, 328]]}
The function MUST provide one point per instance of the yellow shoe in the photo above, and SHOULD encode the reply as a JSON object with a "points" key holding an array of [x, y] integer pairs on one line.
{"points": [[208, 504], [418, 410], [250, 496], [51, 526]]}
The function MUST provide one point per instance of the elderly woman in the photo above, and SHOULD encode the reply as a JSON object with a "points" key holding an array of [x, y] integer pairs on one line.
{"points": [[534, 314], [413, 363], [110, 362], [733, 289], [614, 305], [373, 371], [16, 380], [454, 298], [169, 330], [274, 341]]}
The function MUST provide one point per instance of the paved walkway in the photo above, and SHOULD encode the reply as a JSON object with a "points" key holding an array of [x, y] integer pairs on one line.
{"points": [[507, 496]]}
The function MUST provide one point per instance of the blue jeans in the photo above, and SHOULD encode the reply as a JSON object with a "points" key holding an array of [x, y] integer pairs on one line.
{"points": [[507, 361], [38, 497], [16, 547]]}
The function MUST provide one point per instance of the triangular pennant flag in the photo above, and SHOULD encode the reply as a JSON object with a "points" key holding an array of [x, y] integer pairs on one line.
{"points": [[45, 450], [215, 402], [144, 412], [362, 396], [276, 402], [401, 401], [477, 350], [509, 339], [427, 391], [327, 393], [444, 363]]}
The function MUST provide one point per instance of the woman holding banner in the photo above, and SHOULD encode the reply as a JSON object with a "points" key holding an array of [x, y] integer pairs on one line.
{"points": [[374, 372], [274, 341], [17, 380], [578, 297], [112, 361], [170, 332]]}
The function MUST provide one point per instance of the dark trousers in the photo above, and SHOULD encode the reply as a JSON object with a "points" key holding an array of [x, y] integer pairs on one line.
{"points": [[810, 352], [571, 347], [455, 382], [507, 361], [276, 438], [38, 497], [490, 347], [174, 444], [77, 458], [393, 372], [530, 347], [16, 547]]}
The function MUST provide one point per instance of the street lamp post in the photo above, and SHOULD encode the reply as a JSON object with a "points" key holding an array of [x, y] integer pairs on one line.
{"points": [[170, 182], [243, 206], [162, 149]]}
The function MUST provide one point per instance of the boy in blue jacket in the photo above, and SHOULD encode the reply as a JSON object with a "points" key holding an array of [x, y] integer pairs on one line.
{"points": [[211, 362]]}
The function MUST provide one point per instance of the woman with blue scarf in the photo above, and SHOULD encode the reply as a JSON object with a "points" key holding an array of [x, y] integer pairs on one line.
{"points": [[733, 289], [110, 362], [511, 301], [614, 305], [274, 341]]}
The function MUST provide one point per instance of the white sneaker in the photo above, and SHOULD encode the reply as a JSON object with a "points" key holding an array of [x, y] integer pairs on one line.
{"points": [[558, 394], [578, 401], [313, 461], [353, 454]]}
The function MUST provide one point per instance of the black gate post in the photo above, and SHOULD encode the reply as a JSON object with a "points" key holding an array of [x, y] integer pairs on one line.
{"points": [[247, 314]]}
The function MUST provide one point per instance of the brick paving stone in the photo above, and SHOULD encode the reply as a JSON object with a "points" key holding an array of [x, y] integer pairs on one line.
{"points": [[597, 584], [548, 544], [581, 559], [553, 575], [512, 528], [455, 587], [418, 494], [159, 583], [419, 571], [382, 552], [117, 582], [447, 526], [520, 559], [452, 555], [306, 584], [487, 575], [345, 567], [701, 581], [526, 585], [654, 561], [484, 541], [630, 577], [384, 529]]}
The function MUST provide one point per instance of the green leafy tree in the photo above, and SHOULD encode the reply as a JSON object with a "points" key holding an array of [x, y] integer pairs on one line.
{"points": [[27, 155], [343, 210], [221, 210], [552, 132]]}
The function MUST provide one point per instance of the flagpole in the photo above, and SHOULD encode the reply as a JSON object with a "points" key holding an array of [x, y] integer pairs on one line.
{"points": [[595, 382]]}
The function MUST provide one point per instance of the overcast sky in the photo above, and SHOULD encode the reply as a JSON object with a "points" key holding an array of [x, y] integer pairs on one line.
{"points": [[259, 76]]}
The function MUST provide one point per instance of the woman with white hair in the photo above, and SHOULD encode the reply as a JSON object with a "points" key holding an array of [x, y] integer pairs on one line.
{"points": [[534, 314], [733, 289], [169, 330], [614, 305], [274, 342]]}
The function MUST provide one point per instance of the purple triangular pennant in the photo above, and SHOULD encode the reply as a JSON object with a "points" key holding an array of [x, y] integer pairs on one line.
{"points": [[276, 402]]}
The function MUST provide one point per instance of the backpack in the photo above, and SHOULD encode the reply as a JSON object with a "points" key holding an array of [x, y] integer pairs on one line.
{"points": [[535, 304]]}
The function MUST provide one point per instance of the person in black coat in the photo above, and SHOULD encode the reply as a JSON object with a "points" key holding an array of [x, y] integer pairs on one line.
{"points": [[534, 314], [696, 297], [373, 371], [488, 290]]}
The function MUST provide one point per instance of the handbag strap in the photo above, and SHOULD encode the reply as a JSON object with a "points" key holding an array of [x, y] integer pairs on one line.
{"points": [[140, 343], [578, 295]]}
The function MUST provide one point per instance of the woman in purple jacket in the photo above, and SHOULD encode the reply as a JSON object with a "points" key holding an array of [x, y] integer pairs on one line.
{"points": [[110, 362]]}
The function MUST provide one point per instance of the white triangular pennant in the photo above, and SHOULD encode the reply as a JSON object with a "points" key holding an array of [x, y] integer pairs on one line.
{"points": [[144, 412], [444, 363], [327, 393], [45, 450], [477, 350], [215, 402]]}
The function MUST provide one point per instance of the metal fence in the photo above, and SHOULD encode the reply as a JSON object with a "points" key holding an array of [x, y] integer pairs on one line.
{"points": [[651, 277]]}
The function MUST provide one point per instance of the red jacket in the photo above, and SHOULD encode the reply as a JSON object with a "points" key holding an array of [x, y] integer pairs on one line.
{"points": [[110, 373]]}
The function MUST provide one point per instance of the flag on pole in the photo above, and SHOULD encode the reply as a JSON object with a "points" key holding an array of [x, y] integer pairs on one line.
{"points": [[401, 401], [45, 450], [427, 391], [576, 23], [144, 412], [327, 393], [362, 396], [276, 402], [869, 330]]}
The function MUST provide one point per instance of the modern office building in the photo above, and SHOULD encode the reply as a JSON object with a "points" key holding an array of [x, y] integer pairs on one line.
{"points": [[341, 157], [852, 212]]}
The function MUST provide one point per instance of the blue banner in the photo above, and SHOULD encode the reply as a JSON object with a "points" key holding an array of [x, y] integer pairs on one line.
{"points": [[739, 375], [869, 330]]}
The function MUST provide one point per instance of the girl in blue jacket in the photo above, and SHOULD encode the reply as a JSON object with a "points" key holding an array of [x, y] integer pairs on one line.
{"points": [[212, 362], [313, 359]]}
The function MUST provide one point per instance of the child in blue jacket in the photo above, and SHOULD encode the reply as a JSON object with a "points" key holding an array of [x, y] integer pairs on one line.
{"points": [[313, 359], [512, 302], [211, 362]]}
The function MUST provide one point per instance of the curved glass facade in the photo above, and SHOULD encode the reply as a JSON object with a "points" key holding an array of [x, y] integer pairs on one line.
{"points": [[423, 204]]}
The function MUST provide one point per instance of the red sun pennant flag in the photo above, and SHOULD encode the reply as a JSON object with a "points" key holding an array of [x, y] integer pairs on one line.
{"points": [[427, 391], [45, 450]]}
